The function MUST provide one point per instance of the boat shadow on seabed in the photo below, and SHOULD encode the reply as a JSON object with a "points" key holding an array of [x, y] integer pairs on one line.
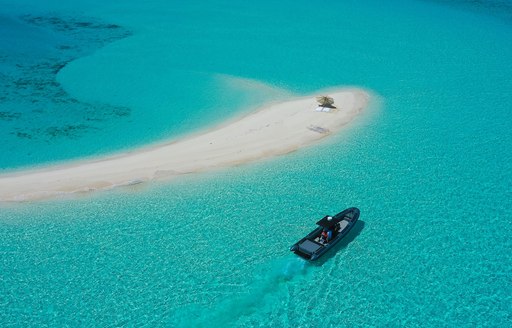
{"points": [[356, 230]]}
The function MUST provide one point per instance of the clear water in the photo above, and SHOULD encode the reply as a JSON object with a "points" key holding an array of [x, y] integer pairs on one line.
{"points": [[429, 165]]}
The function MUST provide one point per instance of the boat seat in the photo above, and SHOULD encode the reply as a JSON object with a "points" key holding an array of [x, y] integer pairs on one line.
{"points": [[309, 247], [343, 224]]}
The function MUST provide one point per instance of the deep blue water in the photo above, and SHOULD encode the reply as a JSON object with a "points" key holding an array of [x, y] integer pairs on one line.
{"points": [[429, 164]]}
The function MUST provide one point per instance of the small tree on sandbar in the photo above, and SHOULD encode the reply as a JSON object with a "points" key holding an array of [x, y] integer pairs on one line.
{"points": [[325, 101]]}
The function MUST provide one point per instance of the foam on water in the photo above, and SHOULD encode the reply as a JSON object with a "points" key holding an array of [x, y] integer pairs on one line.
{"points": [[266, 285]]}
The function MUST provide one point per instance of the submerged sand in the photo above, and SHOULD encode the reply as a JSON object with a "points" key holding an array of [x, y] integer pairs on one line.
{"points": [[270, 131]]}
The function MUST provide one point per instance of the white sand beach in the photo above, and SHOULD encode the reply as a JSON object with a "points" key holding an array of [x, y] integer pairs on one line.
{"points": [[270, 131]]}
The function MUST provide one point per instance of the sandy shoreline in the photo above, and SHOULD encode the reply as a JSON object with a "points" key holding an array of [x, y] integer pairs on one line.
{"points": [[270, 131]]}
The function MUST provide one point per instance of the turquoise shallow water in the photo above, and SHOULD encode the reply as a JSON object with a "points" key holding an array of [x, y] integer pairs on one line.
{"points": [[429, 165]]}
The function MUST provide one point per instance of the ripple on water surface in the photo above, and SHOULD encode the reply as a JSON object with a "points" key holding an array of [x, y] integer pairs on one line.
{"points": [[430, 171]]}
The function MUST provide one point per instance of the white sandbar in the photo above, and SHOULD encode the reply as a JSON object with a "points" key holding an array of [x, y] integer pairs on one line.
{"points": [[272, 130]]}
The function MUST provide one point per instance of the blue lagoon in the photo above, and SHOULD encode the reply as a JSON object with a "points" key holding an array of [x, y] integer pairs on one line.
{"points": [[428, 163]]}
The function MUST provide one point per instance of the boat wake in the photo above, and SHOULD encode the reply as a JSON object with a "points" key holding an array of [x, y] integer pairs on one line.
{"points": [[267, 286]]}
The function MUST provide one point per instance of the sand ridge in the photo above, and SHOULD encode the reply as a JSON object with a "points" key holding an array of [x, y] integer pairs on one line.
{"points": [[273, 130]]}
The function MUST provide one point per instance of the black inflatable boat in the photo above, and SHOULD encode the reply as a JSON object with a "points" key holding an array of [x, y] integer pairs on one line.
{"points": [[330, 230]]}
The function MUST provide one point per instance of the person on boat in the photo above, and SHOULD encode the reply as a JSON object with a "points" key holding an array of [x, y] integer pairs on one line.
{"points": [[326, 235]]}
